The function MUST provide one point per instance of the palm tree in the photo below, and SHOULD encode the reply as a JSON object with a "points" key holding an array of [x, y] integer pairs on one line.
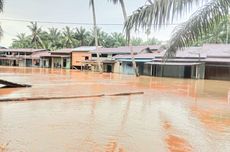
{"points": [[21, 41], [82, 36], [118, 39], [36, 40], [162, 12], [54, 37], [127, 33], [91, 2], [68, 38], [1, 9]]}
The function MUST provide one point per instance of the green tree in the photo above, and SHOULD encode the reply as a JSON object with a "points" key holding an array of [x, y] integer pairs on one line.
{"points": [[36, 40], [82, 35], [118, 39], [54, 39], [163, 12], [21, 41], [68, 38], [1, 9]]}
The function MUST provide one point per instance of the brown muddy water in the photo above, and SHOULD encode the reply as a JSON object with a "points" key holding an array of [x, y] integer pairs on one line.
{"points": [[172, 115]]}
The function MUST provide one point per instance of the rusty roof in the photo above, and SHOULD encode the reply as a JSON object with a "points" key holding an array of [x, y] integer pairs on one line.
{"points": [[26, 50], [126, 49]]}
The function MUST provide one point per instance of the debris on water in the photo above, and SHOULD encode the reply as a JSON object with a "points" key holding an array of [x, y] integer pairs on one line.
{"points": [[8, 84]]}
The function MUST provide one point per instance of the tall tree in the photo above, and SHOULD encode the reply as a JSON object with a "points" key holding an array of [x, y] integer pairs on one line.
{"points": [[127, 33], [1, 9], [92, 4], [82, 35], [54, 38], [163, 12], [21, 41], [68, 38], [36, 40]]}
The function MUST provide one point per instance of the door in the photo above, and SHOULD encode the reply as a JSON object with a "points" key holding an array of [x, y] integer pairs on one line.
{"points": [[64, 63], [109, 68], [187, 71]]}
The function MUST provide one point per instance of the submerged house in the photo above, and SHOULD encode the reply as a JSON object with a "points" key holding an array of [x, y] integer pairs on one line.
{"points": [[81, 57], [217, 63], [142, 54], [107, 60], [210, 61], [57, 59], [24, 57], [189, 63]]}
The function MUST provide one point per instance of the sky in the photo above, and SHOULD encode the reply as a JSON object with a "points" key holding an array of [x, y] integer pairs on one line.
{"points": [[70, 11]]}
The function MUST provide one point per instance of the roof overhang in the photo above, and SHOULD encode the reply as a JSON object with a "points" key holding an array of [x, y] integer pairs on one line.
{"points": [[174, 63]]}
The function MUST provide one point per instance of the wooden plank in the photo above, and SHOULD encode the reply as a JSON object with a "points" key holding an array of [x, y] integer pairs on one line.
{"points": [[8, 84], [70, 97]]}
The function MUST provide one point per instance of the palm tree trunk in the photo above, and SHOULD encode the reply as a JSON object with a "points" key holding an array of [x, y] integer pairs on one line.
{"points": [[128, 39], [95, 34], [227, 22]]}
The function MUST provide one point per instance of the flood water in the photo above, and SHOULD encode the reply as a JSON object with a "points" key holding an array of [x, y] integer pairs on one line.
{"points": [[172, 115]]}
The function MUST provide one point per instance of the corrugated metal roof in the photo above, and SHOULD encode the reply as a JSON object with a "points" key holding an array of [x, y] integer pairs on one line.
{"points": [[173, 63], [136, 60], [125, 49], [27, 50], [65, 50], [217, 60], [86, 48], [217, 50]]}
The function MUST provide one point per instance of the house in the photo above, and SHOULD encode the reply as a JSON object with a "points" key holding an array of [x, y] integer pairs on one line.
{"points": [[21, 57], [210, 61], [57, 59], [111, 58], [81, 57], [217, 63], [187, 63], [142, 54]]}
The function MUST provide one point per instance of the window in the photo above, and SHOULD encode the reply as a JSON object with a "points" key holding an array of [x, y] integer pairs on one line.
{"points": [[86, 58], [94, 55], [104, 55]]}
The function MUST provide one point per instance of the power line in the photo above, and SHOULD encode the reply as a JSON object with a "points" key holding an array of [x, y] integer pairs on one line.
{"points": [[56, 22], [69, 23]]}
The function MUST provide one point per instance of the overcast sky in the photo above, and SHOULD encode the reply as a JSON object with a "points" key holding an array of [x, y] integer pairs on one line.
{"points": [[76, 11]]}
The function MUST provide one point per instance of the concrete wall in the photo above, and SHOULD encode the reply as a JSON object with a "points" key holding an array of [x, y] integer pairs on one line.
{"points": [[45, 63], [117, 67], [78, 57]]}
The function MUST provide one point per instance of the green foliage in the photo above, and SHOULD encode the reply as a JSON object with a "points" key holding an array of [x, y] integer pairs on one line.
{"points": [[54, 39], [219, 34], [162, 12]]}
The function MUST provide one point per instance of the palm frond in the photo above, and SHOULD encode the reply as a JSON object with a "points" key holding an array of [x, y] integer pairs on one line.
{"points": [[200, 23], [114, 1], [159, 12], [1, 5]]}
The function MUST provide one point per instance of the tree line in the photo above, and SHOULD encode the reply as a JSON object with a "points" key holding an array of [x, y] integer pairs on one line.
{"points": [[54, 38]]}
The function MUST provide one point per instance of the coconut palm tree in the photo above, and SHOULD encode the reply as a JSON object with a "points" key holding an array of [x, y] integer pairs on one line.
{"points": [[36, 31], [82, 36], [1, 9], [127, 32], [54, 37], [68, 38], [91, 3], [21, 41], [162, 12], [118, 39]]}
